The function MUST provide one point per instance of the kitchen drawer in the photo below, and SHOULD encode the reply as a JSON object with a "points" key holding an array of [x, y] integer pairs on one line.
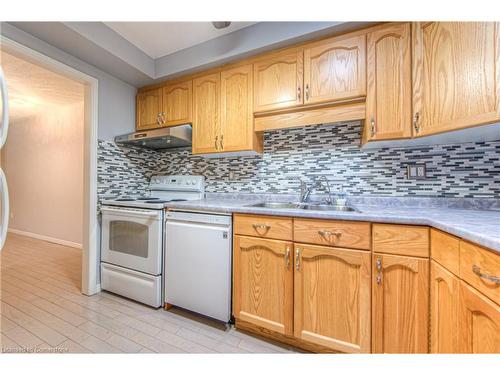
{"points": [[445, 249], [279, 228], [350, 234], [476, 264], [408, 240], [138, 286]]}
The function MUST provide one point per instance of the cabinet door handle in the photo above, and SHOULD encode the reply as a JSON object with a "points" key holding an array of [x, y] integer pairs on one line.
{"points": [[307, 92], [287, 257], [483, 275], [297, 259], [298, 93], [416, 126], [216, 144], [373, 130], [222, 142], [378, 264]]}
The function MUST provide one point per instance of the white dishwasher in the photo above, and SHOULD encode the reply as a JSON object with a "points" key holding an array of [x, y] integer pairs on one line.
{"points": [[198, 260]]}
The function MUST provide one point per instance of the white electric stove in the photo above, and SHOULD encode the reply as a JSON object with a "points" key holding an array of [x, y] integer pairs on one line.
{"points": [[132, 237]]}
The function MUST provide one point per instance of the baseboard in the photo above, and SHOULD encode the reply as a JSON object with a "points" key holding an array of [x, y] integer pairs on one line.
{"points": [[46, 238]]}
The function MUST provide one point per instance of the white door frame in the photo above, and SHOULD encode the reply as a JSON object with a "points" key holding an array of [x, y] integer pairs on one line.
{"points": [[90, 224]]}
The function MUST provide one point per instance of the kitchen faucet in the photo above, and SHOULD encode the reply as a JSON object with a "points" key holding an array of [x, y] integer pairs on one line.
{"points": [[306, 191], [319, 181]]}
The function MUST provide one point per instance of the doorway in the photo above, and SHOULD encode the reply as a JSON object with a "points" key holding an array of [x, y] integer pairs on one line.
{"points": [[57, 95]]}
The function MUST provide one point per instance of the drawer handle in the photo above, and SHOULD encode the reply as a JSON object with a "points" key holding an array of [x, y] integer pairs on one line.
{"points": [[264, 227], [482, 275], [328, 234]]}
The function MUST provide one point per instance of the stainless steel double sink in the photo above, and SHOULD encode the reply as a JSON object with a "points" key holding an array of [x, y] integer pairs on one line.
{"points": [[303, 206]]}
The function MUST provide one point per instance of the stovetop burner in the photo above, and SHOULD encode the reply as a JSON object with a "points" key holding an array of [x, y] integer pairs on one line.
{"points": [[146, 198], [156, 200], [177, 200]]}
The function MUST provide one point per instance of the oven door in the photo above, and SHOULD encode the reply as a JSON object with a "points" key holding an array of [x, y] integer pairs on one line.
{"points": [[132, 238]]}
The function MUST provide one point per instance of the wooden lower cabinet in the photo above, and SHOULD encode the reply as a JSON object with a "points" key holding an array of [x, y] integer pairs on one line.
{"points": [[444, 291], [263, 283], [400, 304], [479, 327], [332, 297]]}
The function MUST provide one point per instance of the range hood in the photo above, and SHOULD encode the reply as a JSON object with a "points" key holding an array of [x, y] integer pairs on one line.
{"points": [[158, 139]]}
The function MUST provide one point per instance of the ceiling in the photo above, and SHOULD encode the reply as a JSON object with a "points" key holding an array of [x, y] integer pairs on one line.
{"points": [[32, 88], [158, 39], [142, 53]]}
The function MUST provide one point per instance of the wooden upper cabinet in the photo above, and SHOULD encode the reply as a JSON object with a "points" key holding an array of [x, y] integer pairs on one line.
{"points": [[206, 114], [278, 82], [456, 75], [400, 304], [177, 103], [236, 132], [263, 283], [444, 290], [149, 108], [335, 70], [332, 297], [479, 330], [388, 97]]}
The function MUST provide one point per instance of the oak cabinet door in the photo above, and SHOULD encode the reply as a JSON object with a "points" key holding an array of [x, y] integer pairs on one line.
{"points": [[178, 103], [388, 98], [263, 283], [149, 108], [332, 297], [335, 70], [237, 109], [456, 75], [278, 82], [206, 114], [479, 325], [444, 310], [400, 304]]}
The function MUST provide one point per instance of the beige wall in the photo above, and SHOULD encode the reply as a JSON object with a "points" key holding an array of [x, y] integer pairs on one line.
{"points": [[43, 162]]}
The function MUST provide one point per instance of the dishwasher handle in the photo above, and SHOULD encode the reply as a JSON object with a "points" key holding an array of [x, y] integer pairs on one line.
{"points": [[198, 218], [171, 224]]}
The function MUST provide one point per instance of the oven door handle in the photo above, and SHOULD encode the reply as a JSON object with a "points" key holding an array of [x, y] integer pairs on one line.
{"points": [[130, 212]]}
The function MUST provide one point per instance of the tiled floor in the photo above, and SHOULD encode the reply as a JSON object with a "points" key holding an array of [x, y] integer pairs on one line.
{"points": [[42, 310]]}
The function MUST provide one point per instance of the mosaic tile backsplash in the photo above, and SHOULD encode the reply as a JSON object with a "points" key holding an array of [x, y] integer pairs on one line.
{"points": [[123, 170], [467, 170]]}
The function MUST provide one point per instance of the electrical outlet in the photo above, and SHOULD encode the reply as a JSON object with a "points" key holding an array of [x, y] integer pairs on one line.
{"points": [[416, 172]]}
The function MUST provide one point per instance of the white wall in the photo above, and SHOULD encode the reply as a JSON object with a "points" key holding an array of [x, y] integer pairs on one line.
{"points": [[43, 163]]}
